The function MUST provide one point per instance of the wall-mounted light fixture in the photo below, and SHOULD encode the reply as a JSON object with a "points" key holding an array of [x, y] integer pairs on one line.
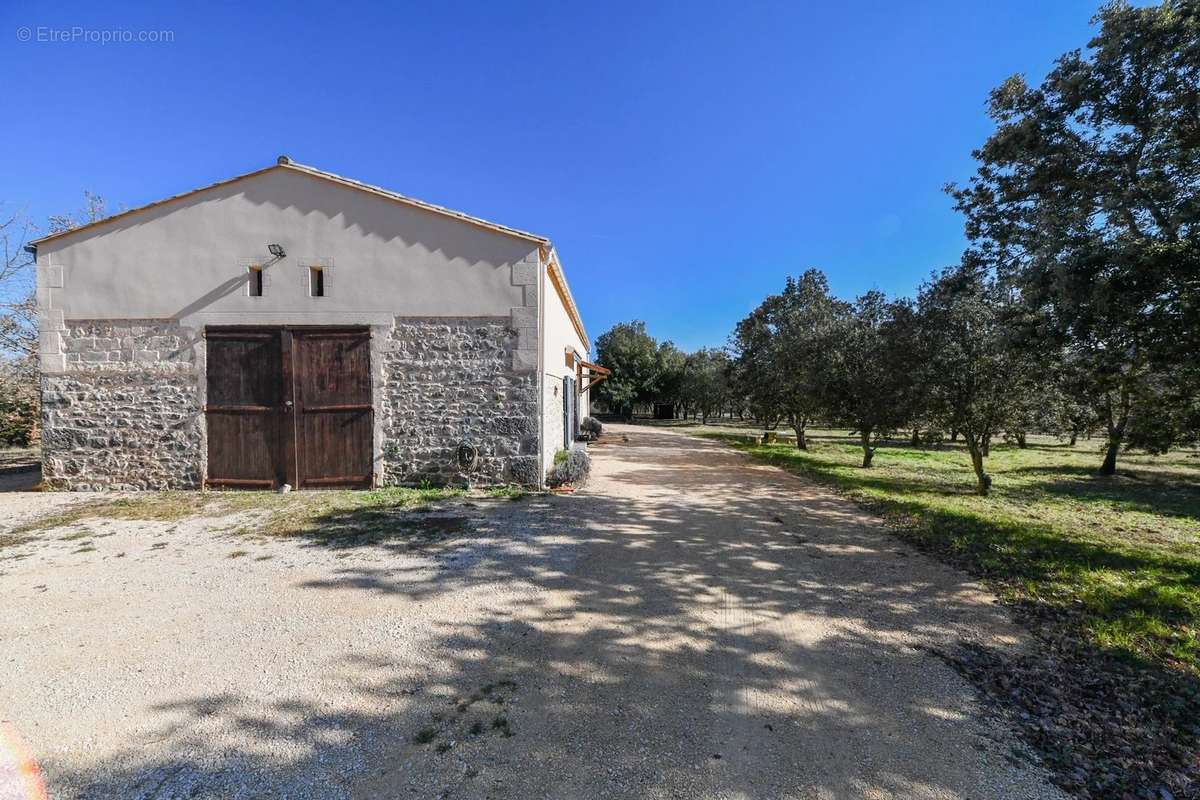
{"points": [[276, 250]]}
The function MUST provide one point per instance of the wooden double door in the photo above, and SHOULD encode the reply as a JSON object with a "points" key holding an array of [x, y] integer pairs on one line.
{"points": [[289, 405]]}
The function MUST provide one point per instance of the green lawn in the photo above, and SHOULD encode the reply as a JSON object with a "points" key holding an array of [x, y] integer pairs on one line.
{"points": [[1119, 557]]}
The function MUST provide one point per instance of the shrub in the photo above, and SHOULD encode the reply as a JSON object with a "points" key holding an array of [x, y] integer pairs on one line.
{"points": [[933, 438], [591, 428], [573, 468], [18, 407]]}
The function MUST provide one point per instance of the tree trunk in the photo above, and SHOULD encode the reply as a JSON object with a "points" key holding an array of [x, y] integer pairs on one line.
{"points": [[868, 450], [1074, 436], [983, 481], [1116, 433], [1021, 443], [985, 445], [1109, 467], [916, 437], [953, 435], [799, 425]]}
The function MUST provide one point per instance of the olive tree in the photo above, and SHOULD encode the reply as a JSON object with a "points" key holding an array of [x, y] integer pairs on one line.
{"points": [[757, 369], [1087, 198], [807, 320], [870, 370], [632, 355], [782, 349], [969, 363], [707, 381], [671, 382]]}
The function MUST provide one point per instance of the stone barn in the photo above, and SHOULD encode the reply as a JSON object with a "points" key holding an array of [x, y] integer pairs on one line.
{"points": [[291, 326]]}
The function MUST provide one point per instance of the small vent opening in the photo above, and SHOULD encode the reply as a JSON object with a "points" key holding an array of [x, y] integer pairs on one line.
{"points": [[256, 281]]}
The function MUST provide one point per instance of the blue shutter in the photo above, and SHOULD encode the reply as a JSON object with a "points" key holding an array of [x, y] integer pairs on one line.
{"points": [[568, 411]]}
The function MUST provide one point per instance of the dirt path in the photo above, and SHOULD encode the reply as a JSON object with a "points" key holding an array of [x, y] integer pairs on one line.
{"points": [[692, 626], [726, 630]]}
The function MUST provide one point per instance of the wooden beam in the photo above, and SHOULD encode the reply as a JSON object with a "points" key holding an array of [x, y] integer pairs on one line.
{"points": [[596, 375]]}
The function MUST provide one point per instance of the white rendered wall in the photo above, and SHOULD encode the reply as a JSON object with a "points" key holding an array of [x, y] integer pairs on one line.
{"points": [[559, 333], [187, 259]]}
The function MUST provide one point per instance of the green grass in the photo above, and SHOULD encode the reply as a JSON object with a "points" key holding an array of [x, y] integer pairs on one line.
{"points": [[1116, 559]]}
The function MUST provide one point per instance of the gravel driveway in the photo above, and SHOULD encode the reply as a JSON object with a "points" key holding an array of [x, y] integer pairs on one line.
{"points": [[690, 626]]}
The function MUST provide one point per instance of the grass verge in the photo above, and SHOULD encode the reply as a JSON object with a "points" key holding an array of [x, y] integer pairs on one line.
{"points": [[334, 515], [1104, 571]]}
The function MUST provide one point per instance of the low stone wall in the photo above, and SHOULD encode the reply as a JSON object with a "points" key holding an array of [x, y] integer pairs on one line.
{"points": [[447, 382], [125, 413]]}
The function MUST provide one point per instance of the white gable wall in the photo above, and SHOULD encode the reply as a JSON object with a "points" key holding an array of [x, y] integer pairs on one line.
{"points": [[187, 259]]}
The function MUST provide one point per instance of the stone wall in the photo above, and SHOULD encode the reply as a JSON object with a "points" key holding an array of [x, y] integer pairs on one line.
{"points": [[447, 382], [125, 409], [124, 412]]}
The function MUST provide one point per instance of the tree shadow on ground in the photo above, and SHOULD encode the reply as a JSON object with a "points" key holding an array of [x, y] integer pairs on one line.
{"points": [[1016, 550], [1167, 493], [395, 529], [1126, 475], [703, 639]]}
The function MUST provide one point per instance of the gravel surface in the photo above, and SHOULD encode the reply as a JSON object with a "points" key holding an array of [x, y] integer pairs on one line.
{"points": [[690, 625], [19, 507]]}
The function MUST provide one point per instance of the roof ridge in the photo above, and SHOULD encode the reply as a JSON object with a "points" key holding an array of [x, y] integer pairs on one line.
{"points": [[283, 162], [286, 162]]}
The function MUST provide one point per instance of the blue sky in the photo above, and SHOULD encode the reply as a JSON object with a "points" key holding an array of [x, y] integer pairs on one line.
{"points": [[685, 157]]}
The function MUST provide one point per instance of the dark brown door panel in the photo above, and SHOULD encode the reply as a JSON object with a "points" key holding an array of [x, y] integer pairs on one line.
{"points": [[333, 407], [289, 405], [244, 408]]}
